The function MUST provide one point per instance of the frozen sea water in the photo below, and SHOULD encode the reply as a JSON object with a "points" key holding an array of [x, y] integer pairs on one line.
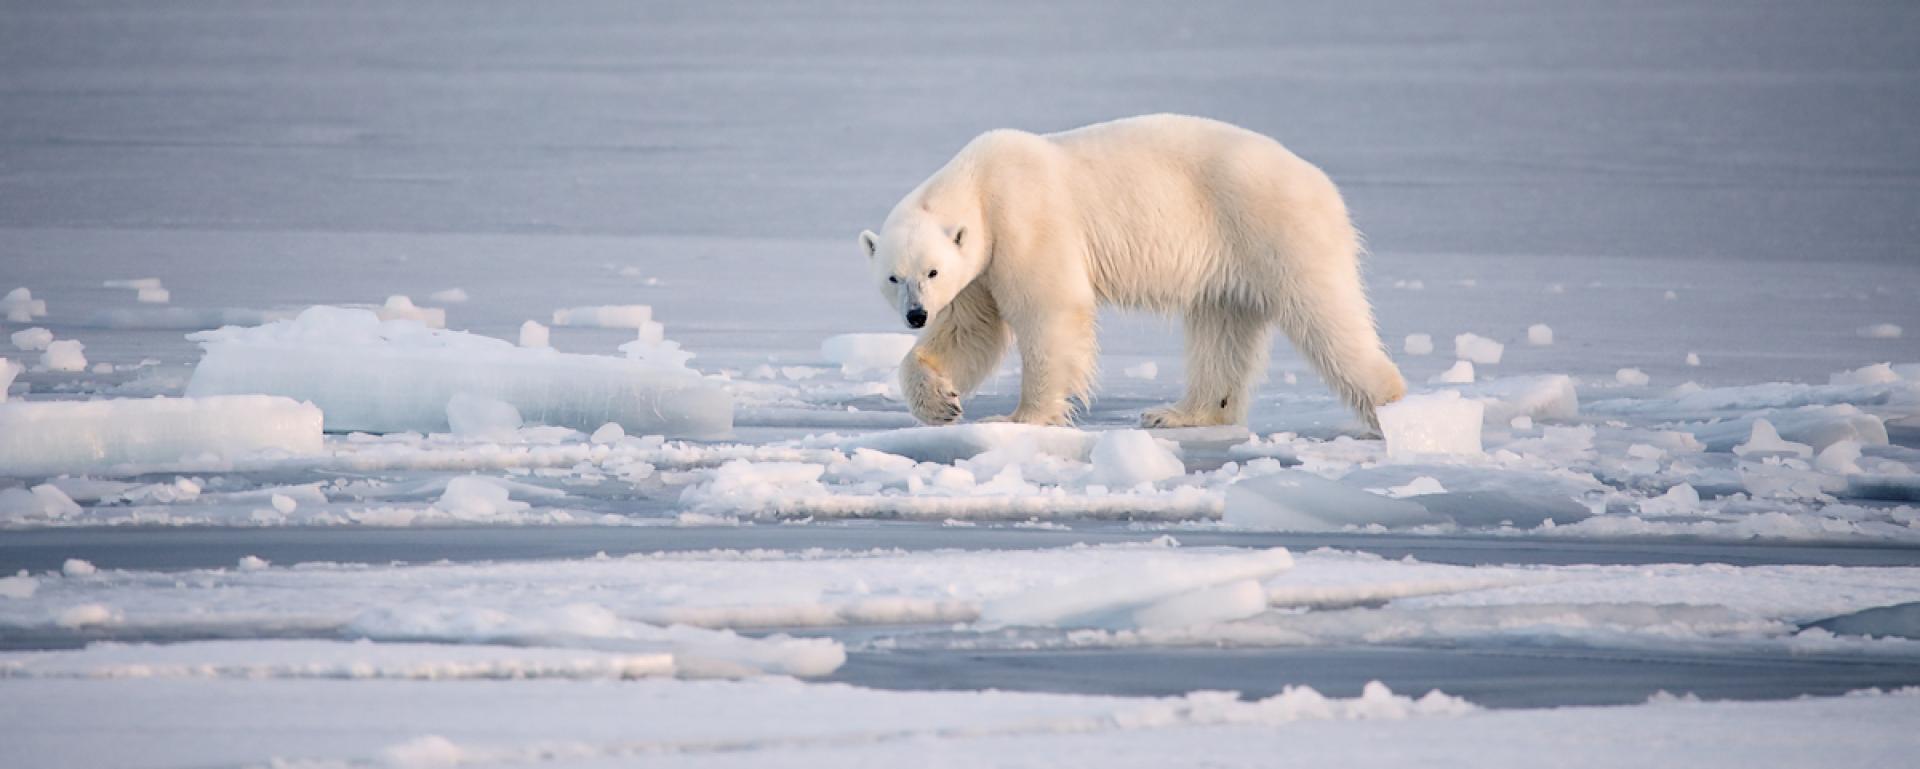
{"points": [[712, 162]]}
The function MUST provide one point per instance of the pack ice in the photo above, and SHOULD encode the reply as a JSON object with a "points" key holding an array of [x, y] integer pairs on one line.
{"points": [[399, 375], [43, 438]]}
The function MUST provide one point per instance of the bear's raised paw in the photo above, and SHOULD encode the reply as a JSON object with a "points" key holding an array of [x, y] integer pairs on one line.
{"points": [[930, 395]]}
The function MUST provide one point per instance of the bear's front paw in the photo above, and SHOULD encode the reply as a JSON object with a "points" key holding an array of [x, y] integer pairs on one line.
{"points": [[930, 396]]}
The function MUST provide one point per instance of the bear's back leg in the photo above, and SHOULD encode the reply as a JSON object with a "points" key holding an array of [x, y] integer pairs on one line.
{"points": [[1226, 347]]}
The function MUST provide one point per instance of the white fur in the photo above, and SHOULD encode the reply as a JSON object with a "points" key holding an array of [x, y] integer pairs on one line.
{"points": [[1029, 234]]}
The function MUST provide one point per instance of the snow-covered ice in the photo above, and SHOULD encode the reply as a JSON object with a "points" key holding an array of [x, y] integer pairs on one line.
{"points": [[39, 438], [393, 376]]}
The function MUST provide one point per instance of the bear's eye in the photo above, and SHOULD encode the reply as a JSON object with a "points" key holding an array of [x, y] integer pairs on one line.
{"points": [[931, 273], [893, 279]]}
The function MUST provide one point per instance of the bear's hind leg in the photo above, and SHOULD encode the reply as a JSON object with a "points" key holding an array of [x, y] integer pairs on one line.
{"points": [[1225, 348], [1331, 324]]}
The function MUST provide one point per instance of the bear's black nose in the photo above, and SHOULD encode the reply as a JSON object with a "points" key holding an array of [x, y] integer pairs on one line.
{"points": [[916, 318]]}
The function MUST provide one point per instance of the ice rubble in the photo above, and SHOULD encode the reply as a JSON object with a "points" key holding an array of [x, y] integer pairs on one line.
{"points": [[1126, 458], [860, 354], [1539, 335], [46, 437], [394, 376], [1419, 344], [32, 339], [20, 306], [67, 355]]}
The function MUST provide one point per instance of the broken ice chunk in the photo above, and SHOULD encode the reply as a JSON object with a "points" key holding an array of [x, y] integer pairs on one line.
{"points": [[1766, 441], [860, 354], [1432, 423], [65, 355], [1478, 349]]}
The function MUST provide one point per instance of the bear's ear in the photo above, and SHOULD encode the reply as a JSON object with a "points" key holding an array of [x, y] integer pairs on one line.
{"points": [[869, 242], [959, 234]]}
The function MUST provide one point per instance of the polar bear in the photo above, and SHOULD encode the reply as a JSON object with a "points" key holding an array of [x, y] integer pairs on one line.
{"points": [[1022, 236]]}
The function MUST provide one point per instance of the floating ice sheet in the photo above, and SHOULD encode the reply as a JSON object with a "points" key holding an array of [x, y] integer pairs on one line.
{"points": [[394, 376], [49, 437]]}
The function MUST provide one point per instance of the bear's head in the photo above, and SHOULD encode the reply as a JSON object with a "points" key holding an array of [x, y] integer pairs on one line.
{"points": [[921, 264]]}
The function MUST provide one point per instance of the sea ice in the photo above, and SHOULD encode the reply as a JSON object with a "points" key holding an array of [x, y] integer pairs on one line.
{"points": [[951, 443], [1295, 500], [861, 354], [75, 567], [1145, 594], [1547, 396], [1880, 331], [1693, 359], [1432, 423], [134, 284], [1878, 373], [1127, 458], [1816, 426], [1460, 373], [20, 306], [454, 295], [481, 417], [633, 316], [1478, 349], [1419, 344], [397, 376], [183, 318], [1896, 621], [1839, 458], [8, 370], [155, 295], [532, 334], [1539, 335], [48, 437], [1765, 441], [1148, 370], [475, 499], [1632, 377], [401, 307], [64, 355], [32, 339]]}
